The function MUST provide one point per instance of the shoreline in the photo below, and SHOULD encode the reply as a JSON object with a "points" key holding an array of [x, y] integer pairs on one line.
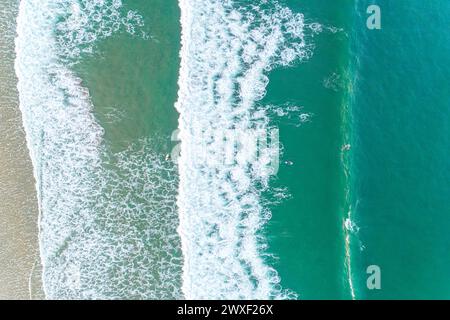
{"points": [[19, 253]]}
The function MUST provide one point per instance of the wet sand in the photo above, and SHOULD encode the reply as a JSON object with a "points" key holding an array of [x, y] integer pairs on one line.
{"points": [[19, 255]]}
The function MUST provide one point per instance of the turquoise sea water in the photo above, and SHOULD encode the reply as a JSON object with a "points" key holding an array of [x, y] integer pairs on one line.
{"points": [[400, 166], [103, 85], [306, 231]]}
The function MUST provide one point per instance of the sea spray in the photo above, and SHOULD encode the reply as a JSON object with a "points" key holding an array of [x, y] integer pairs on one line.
{"points": [[227, 50]]}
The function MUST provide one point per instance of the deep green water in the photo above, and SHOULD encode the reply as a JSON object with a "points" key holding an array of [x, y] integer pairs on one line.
{"points": [[400, 167], [394, 108]]}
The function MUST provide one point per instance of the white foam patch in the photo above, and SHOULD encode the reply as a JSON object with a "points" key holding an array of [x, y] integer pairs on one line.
{"points": [[83, 22], [295, 115], [107, 221], [228, 47]]}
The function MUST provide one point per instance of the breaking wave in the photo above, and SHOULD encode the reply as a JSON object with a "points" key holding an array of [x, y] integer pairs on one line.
{"points": [[228, 48], [107, 220]]}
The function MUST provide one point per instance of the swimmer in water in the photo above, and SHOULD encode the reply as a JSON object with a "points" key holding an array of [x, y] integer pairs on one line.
{"points": [[288, 162], [346, 147]]}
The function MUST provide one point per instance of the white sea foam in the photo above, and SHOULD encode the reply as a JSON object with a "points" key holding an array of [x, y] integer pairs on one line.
{"points": [[228, 47], [107, 221], [83, 22]]}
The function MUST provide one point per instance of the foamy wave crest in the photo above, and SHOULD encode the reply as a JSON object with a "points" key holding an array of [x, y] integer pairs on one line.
{"points": [[228, 47], [83, 22], [107, 221]]}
